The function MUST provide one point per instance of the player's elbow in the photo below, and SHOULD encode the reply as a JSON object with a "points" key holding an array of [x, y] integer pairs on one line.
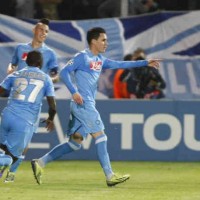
{"points": [[61, 74]]}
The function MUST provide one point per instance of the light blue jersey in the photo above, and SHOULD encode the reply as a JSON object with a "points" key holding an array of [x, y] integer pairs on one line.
{"points": [[81, 74], [49, 57], [28, 87], [87, 69], [50, 64]]}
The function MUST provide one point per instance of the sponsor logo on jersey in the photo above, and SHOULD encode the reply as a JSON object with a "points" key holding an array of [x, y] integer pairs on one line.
{"points": [[24, 55], [96, 66]]}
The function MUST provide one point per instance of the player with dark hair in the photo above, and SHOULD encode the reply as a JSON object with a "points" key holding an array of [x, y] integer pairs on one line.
{"points": [[50, 66], [85, 68], [28, 88], [44, 21]]}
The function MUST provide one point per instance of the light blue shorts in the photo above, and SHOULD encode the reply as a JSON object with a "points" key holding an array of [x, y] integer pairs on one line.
{"points": [[84, 119], [15, 132]]}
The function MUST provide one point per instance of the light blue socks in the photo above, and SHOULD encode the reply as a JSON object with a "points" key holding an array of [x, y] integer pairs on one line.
{"points": [[101, 146], [59, 151], [14, 166]]}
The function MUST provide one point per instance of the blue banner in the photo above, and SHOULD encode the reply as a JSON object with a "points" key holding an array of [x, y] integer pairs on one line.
{"points": [[137, 131]]}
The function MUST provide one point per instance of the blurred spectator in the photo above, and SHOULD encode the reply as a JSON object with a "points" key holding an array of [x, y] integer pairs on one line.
{"points": [[65, 9], [120, 87], [151, 84], [194, 5], [8, 7], [174, 5], [92, 8], [105, 85], [89, 9], [144, 82], [78, 9], [137, 7], [50, 8], [25, 8], [132, 76], [38, 10], [109, 8]]}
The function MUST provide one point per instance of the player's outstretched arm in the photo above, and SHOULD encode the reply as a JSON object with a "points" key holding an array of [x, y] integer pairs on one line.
{"points": [[154, 63]]}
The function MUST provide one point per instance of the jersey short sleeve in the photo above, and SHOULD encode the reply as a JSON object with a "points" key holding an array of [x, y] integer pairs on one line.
{"points": [[49, 87]]}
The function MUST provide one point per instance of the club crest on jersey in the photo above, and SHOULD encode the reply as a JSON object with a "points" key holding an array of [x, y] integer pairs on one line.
{"points": [[70, 62], [24, 55], [96, 66]]}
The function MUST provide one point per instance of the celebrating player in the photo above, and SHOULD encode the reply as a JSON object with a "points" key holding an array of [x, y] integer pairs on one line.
{"points": [[86, 67], [28, 88], [40, 33], [49, 66]]}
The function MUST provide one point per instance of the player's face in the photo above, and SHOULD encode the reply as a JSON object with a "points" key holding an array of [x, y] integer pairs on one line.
{"points": [[40, 32], [101, 43]]}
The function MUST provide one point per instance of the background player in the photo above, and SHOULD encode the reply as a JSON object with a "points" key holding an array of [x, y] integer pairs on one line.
{"points": [[40, 33]]}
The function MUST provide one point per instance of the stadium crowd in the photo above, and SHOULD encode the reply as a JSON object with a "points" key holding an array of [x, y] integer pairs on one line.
{"points": [[138, 83], [90, 9]]}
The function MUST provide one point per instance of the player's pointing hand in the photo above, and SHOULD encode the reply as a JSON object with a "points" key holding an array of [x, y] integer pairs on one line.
{"points": [[154, 63]]}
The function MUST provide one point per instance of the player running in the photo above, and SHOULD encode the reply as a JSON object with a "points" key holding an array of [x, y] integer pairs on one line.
{"points": [[28, 88], [85, 68], [49, 66]]}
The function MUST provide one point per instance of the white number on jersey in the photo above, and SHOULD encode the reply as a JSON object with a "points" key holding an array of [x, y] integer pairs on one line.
{"points": [[21, 84]]}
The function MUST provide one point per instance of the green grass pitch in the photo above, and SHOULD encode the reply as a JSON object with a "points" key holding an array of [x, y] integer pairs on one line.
{"points": [[84, 180]]}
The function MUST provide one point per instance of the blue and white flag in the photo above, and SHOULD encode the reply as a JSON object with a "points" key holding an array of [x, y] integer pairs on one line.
{"points": [[172, 36]]}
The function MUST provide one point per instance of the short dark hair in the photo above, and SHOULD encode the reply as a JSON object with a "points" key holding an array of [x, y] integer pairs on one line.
{"points": [[44, 21], [94, 33], [34, 58]]}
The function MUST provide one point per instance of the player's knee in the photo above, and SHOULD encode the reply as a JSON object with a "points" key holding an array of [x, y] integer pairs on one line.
{"points": [[101, 138], [25, 151], [3, 147], [8, 153], [77, 137], [5, 160], [74, 145]]}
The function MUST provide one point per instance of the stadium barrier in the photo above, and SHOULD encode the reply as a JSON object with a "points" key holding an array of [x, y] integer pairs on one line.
{"points": [[145, 130]]}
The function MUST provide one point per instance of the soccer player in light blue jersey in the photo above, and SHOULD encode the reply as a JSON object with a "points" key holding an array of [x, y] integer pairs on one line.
{"points": [[49, 66], [85, 68], [27, 88], [40, 33]]}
